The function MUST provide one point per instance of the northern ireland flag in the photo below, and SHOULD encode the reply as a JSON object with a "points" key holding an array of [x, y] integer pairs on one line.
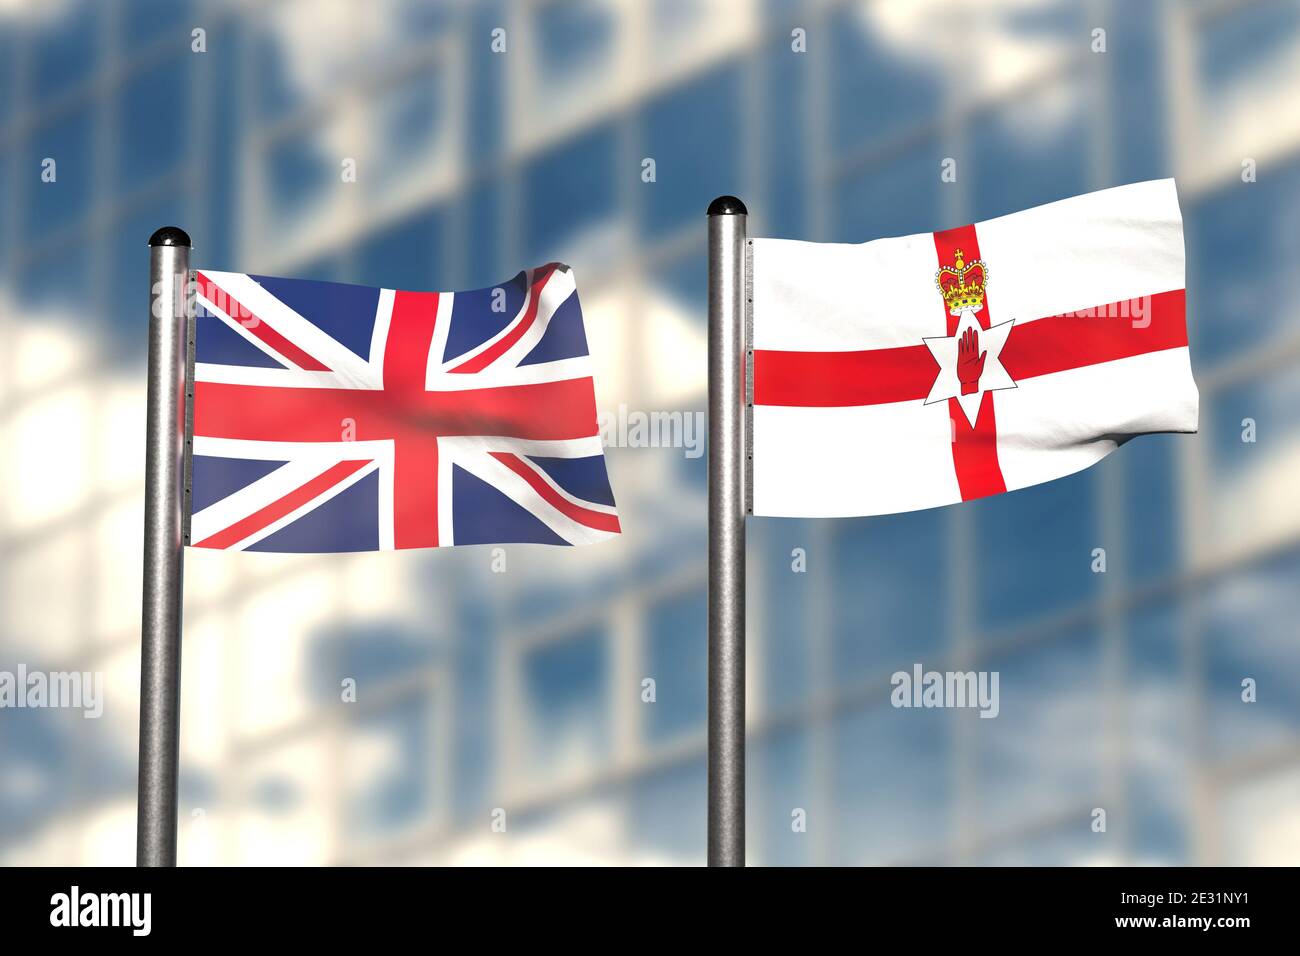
{"points": [[921, 371], [332, 417]]}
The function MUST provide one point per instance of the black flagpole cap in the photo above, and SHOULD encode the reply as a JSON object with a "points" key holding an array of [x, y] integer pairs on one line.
{"points": [[727, 206], [170, 236]]}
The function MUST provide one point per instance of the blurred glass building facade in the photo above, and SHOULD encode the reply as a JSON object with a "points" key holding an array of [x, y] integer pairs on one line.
{"points": [[485, 694]]}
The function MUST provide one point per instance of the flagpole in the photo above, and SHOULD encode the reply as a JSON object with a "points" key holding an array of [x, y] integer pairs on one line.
{"points": [[727, 223], [160, 643]]}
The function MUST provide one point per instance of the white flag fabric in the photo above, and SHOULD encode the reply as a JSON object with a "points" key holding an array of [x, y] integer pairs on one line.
{"points": [[925, 370]]}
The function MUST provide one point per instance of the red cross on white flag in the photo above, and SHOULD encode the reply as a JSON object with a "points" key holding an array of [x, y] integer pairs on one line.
{"points": [[915, 372]]}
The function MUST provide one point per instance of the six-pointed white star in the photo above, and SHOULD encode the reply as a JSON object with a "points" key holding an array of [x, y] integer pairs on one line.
{"points": [[994, 376]]}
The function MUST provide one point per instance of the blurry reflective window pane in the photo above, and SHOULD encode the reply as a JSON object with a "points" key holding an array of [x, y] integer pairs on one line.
{"points": [[8, 76], [1158, 742], [303, 178], [880, 86], [145, 22], [64, 43], [1024, 768], [790, 600], [693, 134], [485, 125], [681, 33], [1139, 123], [906, 783], [889, 593], [390, 765], [1032, 551], [1243, 246], [543, 591], [891, 197], [1254, 502], [414, 118], [482, 243], [308, 48], [781, 762], [405, 256], [574, 53], [666, 814], [148, 145], [1030, 151], [55, 200], [685, 285], [571, 199], [278, 92], [564, 710], [58, 282], [1235, 46], [1250, 620], [1153, 497], [784, 92], [673, 645]]}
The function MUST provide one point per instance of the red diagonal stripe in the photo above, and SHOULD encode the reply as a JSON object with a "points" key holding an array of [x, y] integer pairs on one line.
{"points": [[595, 519], [257, 325], [499, 348], [278, 509]]}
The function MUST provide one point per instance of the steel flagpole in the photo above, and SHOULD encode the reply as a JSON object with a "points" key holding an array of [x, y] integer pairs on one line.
{"points": [[727, 466], [160, 638]]}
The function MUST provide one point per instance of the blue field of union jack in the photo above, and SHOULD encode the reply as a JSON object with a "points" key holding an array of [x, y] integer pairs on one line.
{"points": [[332, 417]]}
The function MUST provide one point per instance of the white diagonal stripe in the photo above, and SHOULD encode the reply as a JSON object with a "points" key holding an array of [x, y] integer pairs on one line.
{"points": [[309, 337]]}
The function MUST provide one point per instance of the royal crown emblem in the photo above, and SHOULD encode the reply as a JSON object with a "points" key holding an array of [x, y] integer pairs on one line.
{"points": [[962, 285]]}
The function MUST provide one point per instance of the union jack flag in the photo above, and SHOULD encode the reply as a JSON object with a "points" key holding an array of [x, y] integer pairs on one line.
{"points": [[333, 417]]}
